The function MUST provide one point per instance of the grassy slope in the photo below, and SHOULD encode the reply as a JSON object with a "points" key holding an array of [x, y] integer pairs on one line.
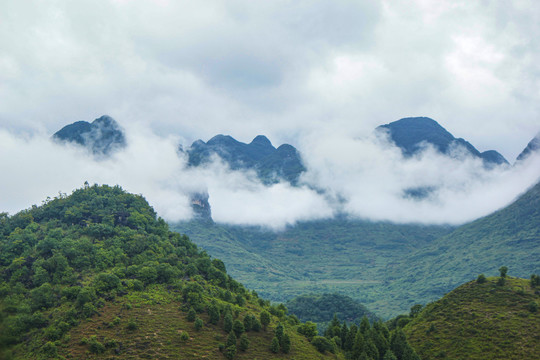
{"points": [[509, 237], [348, 257], [160, 323], [479, 321]]}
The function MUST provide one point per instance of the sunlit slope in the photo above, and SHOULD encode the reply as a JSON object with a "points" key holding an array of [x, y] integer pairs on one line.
{"points": [[480, 321]]}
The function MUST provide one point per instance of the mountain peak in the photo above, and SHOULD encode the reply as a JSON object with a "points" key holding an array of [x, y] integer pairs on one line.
{"points": [[102, 136], [261, 140], [409, 134], [532, 147]]}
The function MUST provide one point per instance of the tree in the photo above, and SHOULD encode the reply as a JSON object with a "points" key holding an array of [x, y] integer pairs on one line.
{"points": [[535, 280], [231, 339], [244, 343], [481, 279], [213, 314], [415, 310], [228, 322], [278, 332], [286, 343], [198, 324], [191, 315], [322, 344], [265, 318], [309, 330], [248, 322], [238, 327], [274, 346], [503, 270]]}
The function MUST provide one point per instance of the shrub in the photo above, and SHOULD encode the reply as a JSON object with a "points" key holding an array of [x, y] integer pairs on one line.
{"points": [[198, 324], [274, 346], [532, 307], [238, 327], [322, 344], [184, 336], [95, 346], [244, 343], [230, 352], [132, 325], [481, 279], [191, 315]]}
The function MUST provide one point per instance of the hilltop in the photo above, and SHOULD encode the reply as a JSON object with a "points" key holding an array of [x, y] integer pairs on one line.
{"points": [[480, 321], [97, 274]]}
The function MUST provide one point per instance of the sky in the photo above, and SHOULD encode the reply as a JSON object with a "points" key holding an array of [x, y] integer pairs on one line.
{"points": [[319, 74]]}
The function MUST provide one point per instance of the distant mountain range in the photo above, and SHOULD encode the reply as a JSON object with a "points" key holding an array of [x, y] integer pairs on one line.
{"points": [[412, 134], [271, 165], [532, 147], [101, 137]]}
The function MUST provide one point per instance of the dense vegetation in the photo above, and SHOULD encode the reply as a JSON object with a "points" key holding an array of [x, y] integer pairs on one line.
{"points": [[321, 309], [483, 319], [97, 273], [343, 256], [509, 236]]}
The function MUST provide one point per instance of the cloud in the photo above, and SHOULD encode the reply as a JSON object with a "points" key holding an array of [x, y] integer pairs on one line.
{"points": [[372, 177], [365, 177]]}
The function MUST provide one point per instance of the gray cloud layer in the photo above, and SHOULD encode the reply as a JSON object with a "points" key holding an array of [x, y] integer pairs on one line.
{"points": [[319, 72]]}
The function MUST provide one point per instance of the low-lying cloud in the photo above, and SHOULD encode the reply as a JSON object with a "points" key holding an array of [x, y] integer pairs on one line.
{"points": [[365, 177]]}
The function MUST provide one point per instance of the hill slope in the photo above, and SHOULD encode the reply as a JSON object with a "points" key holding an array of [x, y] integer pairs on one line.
{"points": [[532, 147], [328, 256], [479, 321], [509, 237], [96, 274]]}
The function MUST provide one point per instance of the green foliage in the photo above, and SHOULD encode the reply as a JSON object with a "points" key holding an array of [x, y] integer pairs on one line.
{"points": [[481, 279], [286, 343], [198, 324], [535, 280], [230, 352], [503, 271], [238, 327], [184, 336], [274, 345], [532, 307], [265, 318], [243, 344], [132, 325], [228, 322], [309, 330], [191, 315], [322, 344], [231, 339], [95, 346], [488, 321]]}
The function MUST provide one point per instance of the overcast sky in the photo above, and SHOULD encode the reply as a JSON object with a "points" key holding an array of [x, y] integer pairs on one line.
{"points": [[297, 71]]}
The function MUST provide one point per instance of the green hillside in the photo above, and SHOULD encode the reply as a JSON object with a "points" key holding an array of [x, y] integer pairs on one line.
{"points": [[97, 275], [510, 236], [480, 321], [343, 256]]}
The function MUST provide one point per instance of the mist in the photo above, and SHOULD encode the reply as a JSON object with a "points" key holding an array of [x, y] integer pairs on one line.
{"points": [[363, 176]]}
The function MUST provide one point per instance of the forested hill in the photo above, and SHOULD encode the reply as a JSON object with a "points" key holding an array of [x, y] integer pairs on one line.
{"points": [[97, 274], [493, 318]]}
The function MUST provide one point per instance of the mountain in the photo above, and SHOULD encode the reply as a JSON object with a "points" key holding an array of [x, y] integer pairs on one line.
{"points": [[510, 237], [480, 321], [339, 255], [532, 147], [98, 275], [270, 164], [101, 137], [411, 134]]}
